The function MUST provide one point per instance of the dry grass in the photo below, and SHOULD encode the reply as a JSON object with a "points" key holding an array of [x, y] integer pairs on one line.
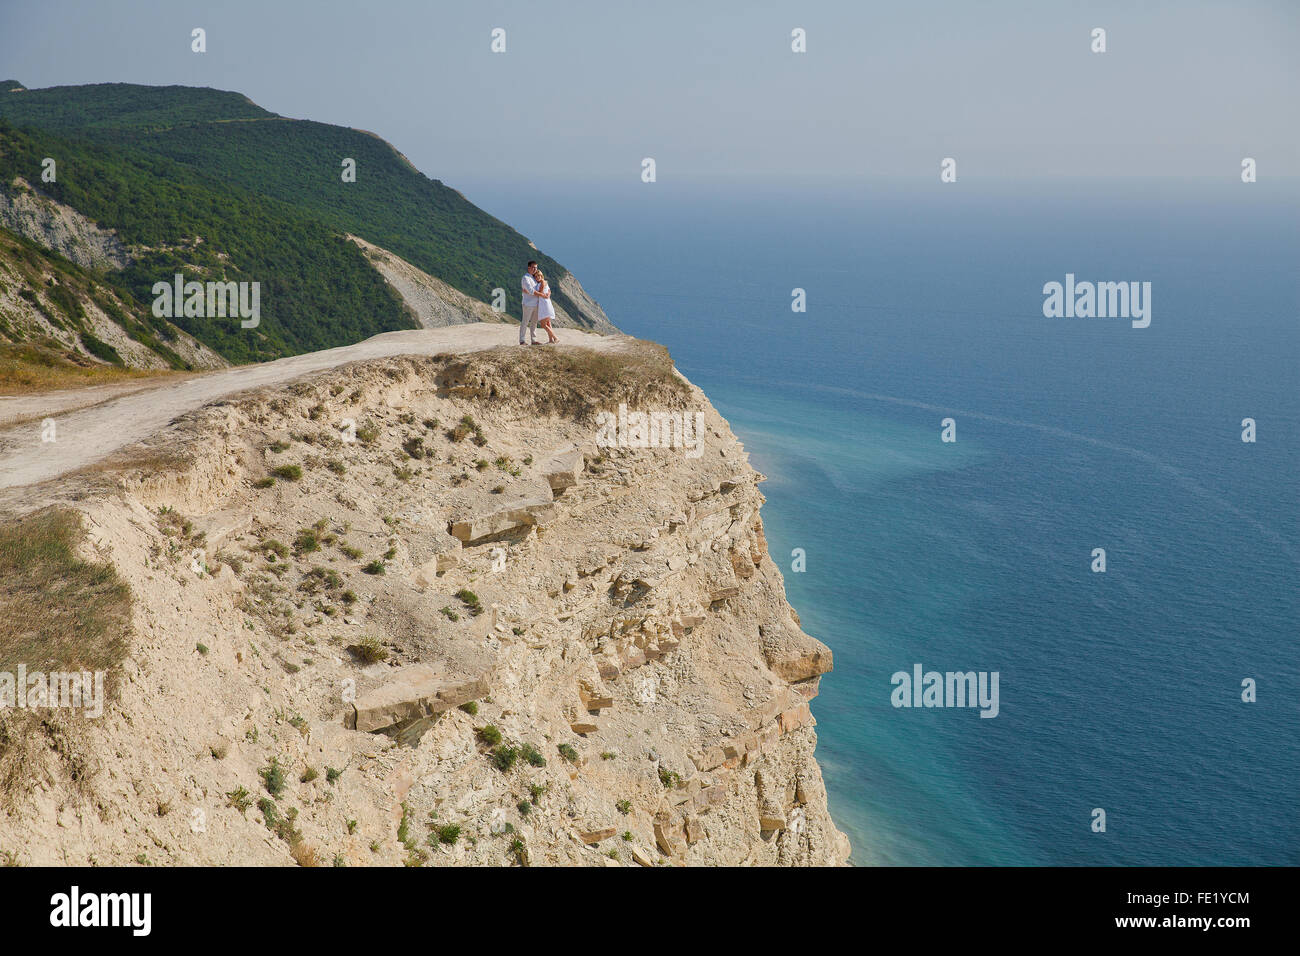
{"points": [[571, 382], [39, 366], [57, 613], [305, 855], [368, 651], [140, 461]]}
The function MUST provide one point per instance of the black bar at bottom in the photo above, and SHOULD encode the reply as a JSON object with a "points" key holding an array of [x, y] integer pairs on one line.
{"points": [[218, 906]]}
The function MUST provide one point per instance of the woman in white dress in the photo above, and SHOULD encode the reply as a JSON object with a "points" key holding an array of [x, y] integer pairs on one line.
{"points": [[545, 308]]}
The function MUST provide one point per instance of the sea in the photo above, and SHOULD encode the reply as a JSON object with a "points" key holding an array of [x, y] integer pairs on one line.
{"points": [[1148, 713]]}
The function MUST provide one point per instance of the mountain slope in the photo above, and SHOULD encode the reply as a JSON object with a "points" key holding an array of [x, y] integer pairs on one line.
{"points": [[167, 165], [434, 303], [433, 227], [317, 290], [59, 228], [61, 324]]}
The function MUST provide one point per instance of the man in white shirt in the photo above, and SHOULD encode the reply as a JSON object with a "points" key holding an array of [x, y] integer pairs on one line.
{"points": [[530, 287]]}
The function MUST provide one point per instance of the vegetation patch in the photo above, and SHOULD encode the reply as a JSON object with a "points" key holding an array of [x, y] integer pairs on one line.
{"points": [[57, 611], [368, 651], [572, 382], [470, 600], [41, 364]]}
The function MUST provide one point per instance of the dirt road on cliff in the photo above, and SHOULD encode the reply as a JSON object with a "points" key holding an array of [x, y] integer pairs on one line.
{"points": [[88, 431]]}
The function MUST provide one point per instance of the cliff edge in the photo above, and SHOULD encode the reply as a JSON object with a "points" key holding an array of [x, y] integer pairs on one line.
{"points": [[451, 608]]}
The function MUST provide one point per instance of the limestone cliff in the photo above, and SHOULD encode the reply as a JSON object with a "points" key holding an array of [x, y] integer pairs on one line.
{"points": [[413, 610], [29, 213]]}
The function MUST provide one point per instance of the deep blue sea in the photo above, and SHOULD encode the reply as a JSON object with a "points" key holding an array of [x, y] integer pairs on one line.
{"points": [[1118, 690]]}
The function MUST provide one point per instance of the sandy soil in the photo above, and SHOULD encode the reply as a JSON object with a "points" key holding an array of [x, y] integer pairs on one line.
{"points": [[32, 406]]}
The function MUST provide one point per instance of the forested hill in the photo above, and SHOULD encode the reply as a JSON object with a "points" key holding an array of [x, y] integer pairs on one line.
{"points": [[205, 181], [125, 106]]}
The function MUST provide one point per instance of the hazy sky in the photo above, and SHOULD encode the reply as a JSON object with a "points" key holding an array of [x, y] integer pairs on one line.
{"points": [[711, 90]]}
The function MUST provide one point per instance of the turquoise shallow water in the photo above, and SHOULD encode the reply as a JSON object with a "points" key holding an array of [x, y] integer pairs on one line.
{"points": [[1118, 690]]}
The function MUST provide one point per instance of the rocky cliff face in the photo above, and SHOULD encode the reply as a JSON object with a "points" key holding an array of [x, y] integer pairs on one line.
{"points": [[55, 226], [589, 316], [432, 302], [420, 611]]}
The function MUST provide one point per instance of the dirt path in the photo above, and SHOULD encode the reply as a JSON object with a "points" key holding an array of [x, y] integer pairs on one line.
{"points": [[29, 406], [96, 428]]}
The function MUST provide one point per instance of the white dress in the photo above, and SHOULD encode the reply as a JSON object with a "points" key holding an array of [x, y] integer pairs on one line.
{"points": [[545, 310]]}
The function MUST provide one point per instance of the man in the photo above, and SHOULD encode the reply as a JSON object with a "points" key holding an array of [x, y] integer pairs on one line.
{"points": [[530, 286]]}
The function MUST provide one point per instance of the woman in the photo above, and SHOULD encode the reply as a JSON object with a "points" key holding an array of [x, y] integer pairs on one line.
{"points": [[545, 309]]}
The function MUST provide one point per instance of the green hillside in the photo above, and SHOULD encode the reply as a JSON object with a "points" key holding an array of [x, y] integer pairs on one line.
{"points": [[391, 204], [36, 282], [317, 290], [166, 165], [126, 106]]}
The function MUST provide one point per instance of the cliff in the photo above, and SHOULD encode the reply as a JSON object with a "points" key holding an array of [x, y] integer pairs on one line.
{"points": [[419, 609]]}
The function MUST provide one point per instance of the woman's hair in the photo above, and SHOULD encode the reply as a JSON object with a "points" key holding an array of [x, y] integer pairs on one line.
{"points": [[541, 276]]}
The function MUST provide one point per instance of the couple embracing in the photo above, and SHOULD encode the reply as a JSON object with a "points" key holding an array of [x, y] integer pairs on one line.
{"points": [[538, 308]]}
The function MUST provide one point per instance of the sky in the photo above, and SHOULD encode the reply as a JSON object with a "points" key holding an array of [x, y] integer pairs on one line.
{"points": [[712, 91]]}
